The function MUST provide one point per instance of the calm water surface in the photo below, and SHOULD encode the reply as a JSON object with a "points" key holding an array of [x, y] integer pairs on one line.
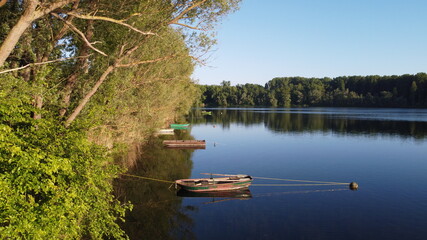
{"points": [[383, 150]]}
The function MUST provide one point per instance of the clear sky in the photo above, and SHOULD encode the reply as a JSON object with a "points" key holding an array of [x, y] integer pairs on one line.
{"points": [[318, 38]]}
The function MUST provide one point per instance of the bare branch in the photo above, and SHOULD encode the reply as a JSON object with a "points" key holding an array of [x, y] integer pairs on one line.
{"points": [[146, 61], [201, 62], [120, 22], [192, 6], [82, 35], [188, 26], [40, 63]]}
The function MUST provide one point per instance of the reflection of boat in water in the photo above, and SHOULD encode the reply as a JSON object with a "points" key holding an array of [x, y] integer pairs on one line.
{"points": [[243, 193], [230, 183]]}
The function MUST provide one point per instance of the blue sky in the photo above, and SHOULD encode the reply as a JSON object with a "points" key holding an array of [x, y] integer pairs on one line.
{"points": [[318, 38]]}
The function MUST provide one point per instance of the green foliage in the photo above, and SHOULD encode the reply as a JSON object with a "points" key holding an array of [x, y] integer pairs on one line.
{"points": [[54, 183], [355, 91], [159, 213]]}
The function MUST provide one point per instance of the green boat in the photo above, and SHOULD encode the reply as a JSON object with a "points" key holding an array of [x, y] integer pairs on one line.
{"points": [[179, 126]]}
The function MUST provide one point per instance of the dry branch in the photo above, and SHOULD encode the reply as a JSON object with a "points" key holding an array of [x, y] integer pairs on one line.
{"points": [[146, 61], [188, 26], [185, 11], [80, 33], [120, 22], [40, 63]]}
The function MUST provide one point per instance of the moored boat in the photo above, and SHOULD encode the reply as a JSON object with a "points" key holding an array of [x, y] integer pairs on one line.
{"points": [[167, 131], [179, 126], [229, 183]]}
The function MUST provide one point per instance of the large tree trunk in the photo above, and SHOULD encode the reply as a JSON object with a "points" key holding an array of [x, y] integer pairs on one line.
{"points": [[3, 2], [12, 38], [33, 11], [81, 65], [86, 99]]}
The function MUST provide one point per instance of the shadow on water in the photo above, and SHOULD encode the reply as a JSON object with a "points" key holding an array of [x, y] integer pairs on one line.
{"points": [[157, 212], [405, 123], [388, 206]]}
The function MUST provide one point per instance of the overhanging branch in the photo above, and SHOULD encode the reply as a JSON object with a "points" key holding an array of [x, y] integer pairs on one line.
{"points": [[193, 5], [80, 33], [145, 62], [120, 22], [40, 63]]}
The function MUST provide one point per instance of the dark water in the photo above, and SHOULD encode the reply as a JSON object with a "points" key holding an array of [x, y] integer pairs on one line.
{"points": [[384, 150]]}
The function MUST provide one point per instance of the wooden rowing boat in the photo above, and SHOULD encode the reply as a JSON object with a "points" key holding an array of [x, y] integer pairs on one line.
{"points": [[230, 183], [185, 143]]}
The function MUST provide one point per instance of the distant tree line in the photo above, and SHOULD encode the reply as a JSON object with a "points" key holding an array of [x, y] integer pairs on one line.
{"points": [[348, 91]]}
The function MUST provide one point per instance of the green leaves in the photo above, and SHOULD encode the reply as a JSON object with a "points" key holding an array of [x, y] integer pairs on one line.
{"points": [[54, 183]]}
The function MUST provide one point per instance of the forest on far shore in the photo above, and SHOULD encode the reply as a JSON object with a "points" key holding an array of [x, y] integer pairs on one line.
{"points": [[347, 91]]}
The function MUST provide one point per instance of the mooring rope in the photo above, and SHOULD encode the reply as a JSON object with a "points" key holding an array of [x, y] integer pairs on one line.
{"points": [[296, 180], [283, 179], [315, 183], [297, 185], [147, 178]]}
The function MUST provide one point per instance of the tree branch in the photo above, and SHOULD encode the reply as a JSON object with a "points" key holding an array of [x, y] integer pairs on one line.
{"points": [[32, 12], [188, 26], [120, 22], [40, 63], [146, 61], [192, 6], [3, 2], [82, 35]]}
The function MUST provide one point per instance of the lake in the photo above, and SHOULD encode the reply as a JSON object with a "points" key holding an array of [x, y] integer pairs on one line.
{"points": [[383, 150]]}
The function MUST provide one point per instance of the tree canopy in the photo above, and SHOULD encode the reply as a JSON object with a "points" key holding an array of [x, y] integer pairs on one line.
{"points": [[78, 77], [348, 91]]}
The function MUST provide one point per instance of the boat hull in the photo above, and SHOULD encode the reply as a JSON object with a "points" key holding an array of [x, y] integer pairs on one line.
{"points": [[214, 184], [179, 126]]}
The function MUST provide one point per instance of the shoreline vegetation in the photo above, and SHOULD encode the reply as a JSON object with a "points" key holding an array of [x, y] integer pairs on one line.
{"points": [[80, 82], [405, 91]]}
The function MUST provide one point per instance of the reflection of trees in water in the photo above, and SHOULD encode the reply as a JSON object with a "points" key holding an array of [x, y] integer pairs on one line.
{"points": [[286, 122], [157, 210]]}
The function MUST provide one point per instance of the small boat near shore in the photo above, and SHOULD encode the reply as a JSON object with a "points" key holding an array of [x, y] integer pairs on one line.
{"points": [[167, 131], [185, 143], [179, 126], [230, 183]]}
